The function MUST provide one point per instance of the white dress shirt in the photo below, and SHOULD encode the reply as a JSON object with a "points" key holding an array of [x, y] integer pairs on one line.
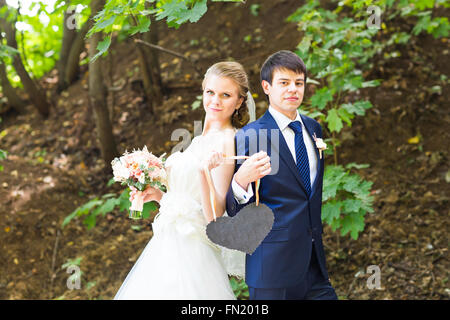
{"points": [[242, 196]]}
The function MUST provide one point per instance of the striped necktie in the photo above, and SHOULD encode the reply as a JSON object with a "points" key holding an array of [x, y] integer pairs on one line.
{"points": [[301, 155]]}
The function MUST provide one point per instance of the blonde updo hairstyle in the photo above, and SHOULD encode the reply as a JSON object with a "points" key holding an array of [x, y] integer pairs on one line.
{"points": [[234, 71]]}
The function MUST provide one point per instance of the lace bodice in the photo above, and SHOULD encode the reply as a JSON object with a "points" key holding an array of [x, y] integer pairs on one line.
{"points": [[182, 202], [180, 207]]}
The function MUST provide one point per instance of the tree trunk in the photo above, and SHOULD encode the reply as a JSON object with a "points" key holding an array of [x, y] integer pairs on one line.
{"points": [[153, 57], [36, 96], [146, 78], [73, 61], [8, 91], [149, 63], [69, 34], [97, 96]]}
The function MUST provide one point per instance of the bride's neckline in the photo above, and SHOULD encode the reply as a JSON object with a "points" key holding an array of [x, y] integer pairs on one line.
{"points": [[213, 131]]}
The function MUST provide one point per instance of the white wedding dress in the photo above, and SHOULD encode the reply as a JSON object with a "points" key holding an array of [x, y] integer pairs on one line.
{"points": [[180, 262]]}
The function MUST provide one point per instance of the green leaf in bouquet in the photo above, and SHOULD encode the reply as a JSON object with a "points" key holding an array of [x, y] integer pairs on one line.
{"points": [[140, 186], [149, 207]]}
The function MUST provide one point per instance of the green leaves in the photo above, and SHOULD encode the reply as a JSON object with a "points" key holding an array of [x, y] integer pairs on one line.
{"points": [[352, 223], [336, 48], [438, 27], [7, 52], [346, 198], [197, 11], [106, 204], [177, 12], [102, 47], [197, 103], [304, 45], [83, 210], [334, 121], [240, 288], [357, 108], [320, 99], [133, 17], [3, 156], [143, 26]]}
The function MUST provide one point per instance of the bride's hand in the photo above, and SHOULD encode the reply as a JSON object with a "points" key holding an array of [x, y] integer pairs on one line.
{"points": [[214, 160], [149, 194]]}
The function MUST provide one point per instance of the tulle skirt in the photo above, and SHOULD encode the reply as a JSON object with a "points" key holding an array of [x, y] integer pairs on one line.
{"points": [[174, 266]]}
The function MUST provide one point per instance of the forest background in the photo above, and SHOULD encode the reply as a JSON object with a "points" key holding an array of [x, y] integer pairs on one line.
{"points": [[83, 81]]}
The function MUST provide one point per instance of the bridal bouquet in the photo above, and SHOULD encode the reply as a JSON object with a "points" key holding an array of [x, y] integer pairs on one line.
{"points": [[140, 169]]}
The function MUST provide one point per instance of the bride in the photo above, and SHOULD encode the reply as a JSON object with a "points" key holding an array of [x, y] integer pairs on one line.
{"points": [[180, 262]]}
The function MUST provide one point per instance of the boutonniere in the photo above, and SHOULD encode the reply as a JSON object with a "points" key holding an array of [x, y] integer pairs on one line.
{"points": [[320, 144]]}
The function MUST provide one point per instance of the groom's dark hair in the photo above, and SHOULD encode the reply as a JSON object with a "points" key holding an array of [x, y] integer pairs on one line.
{"points": [[283, 59]]}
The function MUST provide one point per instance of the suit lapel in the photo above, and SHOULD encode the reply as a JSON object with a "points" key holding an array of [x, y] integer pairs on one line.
{"points": [[283, 150], [310, 129]]}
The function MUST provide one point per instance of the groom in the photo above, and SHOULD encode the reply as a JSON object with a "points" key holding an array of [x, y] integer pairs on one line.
{"points": [[290, 262]]}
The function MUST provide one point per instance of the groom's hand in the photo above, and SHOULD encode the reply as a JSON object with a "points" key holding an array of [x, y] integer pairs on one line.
{"points": [[254, 168]]}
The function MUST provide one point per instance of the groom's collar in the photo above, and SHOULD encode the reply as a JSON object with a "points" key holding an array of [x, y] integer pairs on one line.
{"points": [[281, 120]]}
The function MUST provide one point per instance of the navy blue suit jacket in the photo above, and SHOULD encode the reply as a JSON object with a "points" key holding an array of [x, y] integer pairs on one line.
{"points": [[282, 259]]}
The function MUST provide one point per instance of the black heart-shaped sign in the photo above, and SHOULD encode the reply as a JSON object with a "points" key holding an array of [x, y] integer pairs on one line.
{"points": [[245, 231]]}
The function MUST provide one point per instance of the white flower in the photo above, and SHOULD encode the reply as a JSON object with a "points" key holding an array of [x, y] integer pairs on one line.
{"points": [[142, 178], [119, 171], [319, 144]]}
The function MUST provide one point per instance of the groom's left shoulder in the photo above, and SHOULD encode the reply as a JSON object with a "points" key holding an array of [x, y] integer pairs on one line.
{"points": [[314, 124]]}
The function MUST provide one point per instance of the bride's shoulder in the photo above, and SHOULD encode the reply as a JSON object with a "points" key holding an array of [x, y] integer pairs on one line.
{"points": [[229, 134], [220, 139], [228, 140]]}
